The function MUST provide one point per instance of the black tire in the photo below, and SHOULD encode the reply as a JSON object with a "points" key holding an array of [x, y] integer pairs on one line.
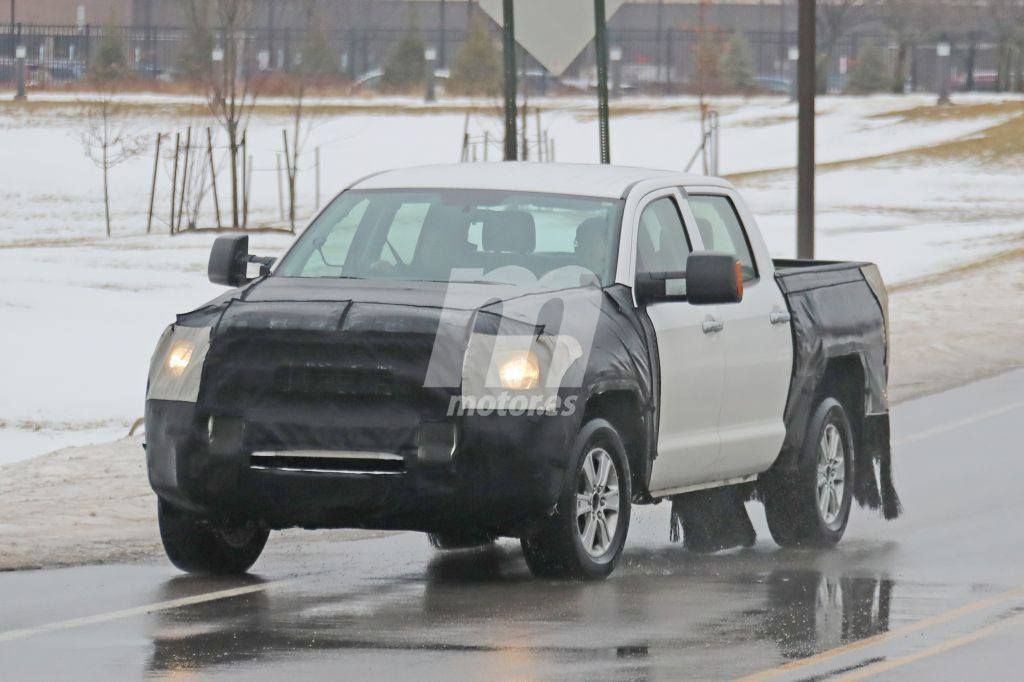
{"points": [[446, 541], [555, 548], [197, 545], [795, 517]]}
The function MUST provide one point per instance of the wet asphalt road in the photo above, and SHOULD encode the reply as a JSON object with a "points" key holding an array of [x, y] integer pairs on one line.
{"points": [[937, 594]]}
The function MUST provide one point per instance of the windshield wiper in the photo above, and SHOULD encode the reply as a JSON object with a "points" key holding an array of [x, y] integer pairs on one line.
{"points": [[394, 252]]}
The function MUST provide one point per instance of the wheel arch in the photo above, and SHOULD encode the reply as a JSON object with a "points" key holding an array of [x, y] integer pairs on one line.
{"points": [[623, 407]]}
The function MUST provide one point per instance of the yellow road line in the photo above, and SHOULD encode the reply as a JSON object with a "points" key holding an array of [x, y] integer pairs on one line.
{"points": [[923, 624], [941, 647], [952, 426], [9, 635]]}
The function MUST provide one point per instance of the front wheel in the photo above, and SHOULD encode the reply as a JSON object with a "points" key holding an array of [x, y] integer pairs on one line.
{"points": [[585, 536], [812, 507], [197, 545]]}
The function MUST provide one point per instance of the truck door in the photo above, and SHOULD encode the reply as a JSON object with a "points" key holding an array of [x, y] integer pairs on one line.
{"points": [[756, 339], [692, 356]]}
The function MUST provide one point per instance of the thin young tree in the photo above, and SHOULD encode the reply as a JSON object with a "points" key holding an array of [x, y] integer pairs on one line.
{"points": [[316, 62], [107, 133], [231, 82]]}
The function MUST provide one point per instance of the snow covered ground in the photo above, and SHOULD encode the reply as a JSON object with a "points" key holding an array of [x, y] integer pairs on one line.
{"points": [[80, 313]]}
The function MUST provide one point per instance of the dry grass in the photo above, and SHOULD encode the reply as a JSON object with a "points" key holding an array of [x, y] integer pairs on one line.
{"points": [[954, 112], [1003, 257], [1001, 143]]}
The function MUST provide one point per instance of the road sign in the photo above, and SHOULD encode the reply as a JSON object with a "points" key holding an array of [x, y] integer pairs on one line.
{"points": [[553, 32]]}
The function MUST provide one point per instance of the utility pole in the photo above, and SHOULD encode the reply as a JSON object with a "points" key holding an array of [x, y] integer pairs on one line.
{"points": [[601, 47], [509, 48], [806, 82]]}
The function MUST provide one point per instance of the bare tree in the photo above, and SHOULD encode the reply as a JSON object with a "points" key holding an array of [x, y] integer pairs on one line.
{"points": [[106, 134], [902, 18], [1008, 24], [836, 18], [316, 62], [230, 79]]}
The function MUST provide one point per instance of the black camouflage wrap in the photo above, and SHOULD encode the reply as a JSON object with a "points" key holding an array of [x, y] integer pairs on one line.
{"points": [[838, 311], [334, 364]]}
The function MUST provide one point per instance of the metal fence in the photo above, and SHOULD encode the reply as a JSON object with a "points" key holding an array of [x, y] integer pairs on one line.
{"points": [[649, 61]]}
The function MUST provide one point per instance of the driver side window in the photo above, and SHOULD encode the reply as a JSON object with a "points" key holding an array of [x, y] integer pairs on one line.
{"points": [[662, 244]]}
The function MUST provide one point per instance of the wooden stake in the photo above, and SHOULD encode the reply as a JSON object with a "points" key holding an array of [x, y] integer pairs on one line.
{"points": [[184, 175], [213, 175], [246, 184], [174, 178], [246, 177], [540, 148], [280, 188], [290, 171], [152, 188]]}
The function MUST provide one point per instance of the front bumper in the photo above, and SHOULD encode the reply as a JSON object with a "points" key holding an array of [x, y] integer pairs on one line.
{"points": [[503, 472]]}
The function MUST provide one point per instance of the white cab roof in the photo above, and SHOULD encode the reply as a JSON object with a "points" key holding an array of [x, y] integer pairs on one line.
{"points": [[591, 180]]}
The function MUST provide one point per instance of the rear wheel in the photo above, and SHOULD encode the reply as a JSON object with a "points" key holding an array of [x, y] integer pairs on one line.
{"points": [[197, 545], [812, 508], [585, 536]]}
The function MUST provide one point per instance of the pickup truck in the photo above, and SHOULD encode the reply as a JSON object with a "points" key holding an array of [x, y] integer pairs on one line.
{"points": [[479, 351]]}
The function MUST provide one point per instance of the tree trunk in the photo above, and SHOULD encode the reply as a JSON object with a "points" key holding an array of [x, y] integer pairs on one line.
{"points": [[1002, 68], [106, 188], [972, 58], [1020, 68], [900, 69]]}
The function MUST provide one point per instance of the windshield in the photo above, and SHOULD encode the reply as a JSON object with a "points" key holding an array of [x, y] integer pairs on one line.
{"points": [[452, 235]]}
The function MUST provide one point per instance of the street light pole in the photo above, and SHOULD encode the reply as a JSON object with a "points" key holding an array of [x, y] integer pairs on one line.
{"points": [[943, 50], [19, 62], [806, 81], [430, 60]]}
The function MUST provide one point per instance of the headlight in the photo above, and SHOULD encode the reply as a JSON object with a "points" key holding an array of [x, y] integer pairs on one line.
{"points": [[520, 371], [179, 357]]}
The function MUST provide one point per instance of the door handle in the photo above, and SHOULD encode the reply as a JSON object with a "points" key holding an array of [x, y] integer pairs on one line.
{"points": [[779, 317], [712, 326]]}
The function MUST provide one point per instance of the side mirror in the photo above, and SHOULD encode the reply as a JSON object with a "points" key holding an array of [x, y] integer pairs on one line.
{"points": [[713, 278], [229, 261], [709, 278]]}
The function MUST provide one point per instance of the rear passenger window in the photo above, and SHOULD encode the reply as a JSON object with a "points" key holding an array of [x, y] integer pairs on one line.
{"points": [[662, 245], [721, 230]]}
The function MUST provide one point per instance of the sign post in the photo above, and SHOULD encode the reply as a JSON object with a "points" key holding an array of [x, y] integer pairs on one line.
{"points": [[554, 33], [601, 47], [509, 48]]}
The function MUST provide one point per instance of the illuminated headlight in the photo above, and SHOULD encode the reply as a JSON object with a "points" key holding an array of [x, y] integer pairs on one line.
{"points": [[179, 356], [520, 371]]}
